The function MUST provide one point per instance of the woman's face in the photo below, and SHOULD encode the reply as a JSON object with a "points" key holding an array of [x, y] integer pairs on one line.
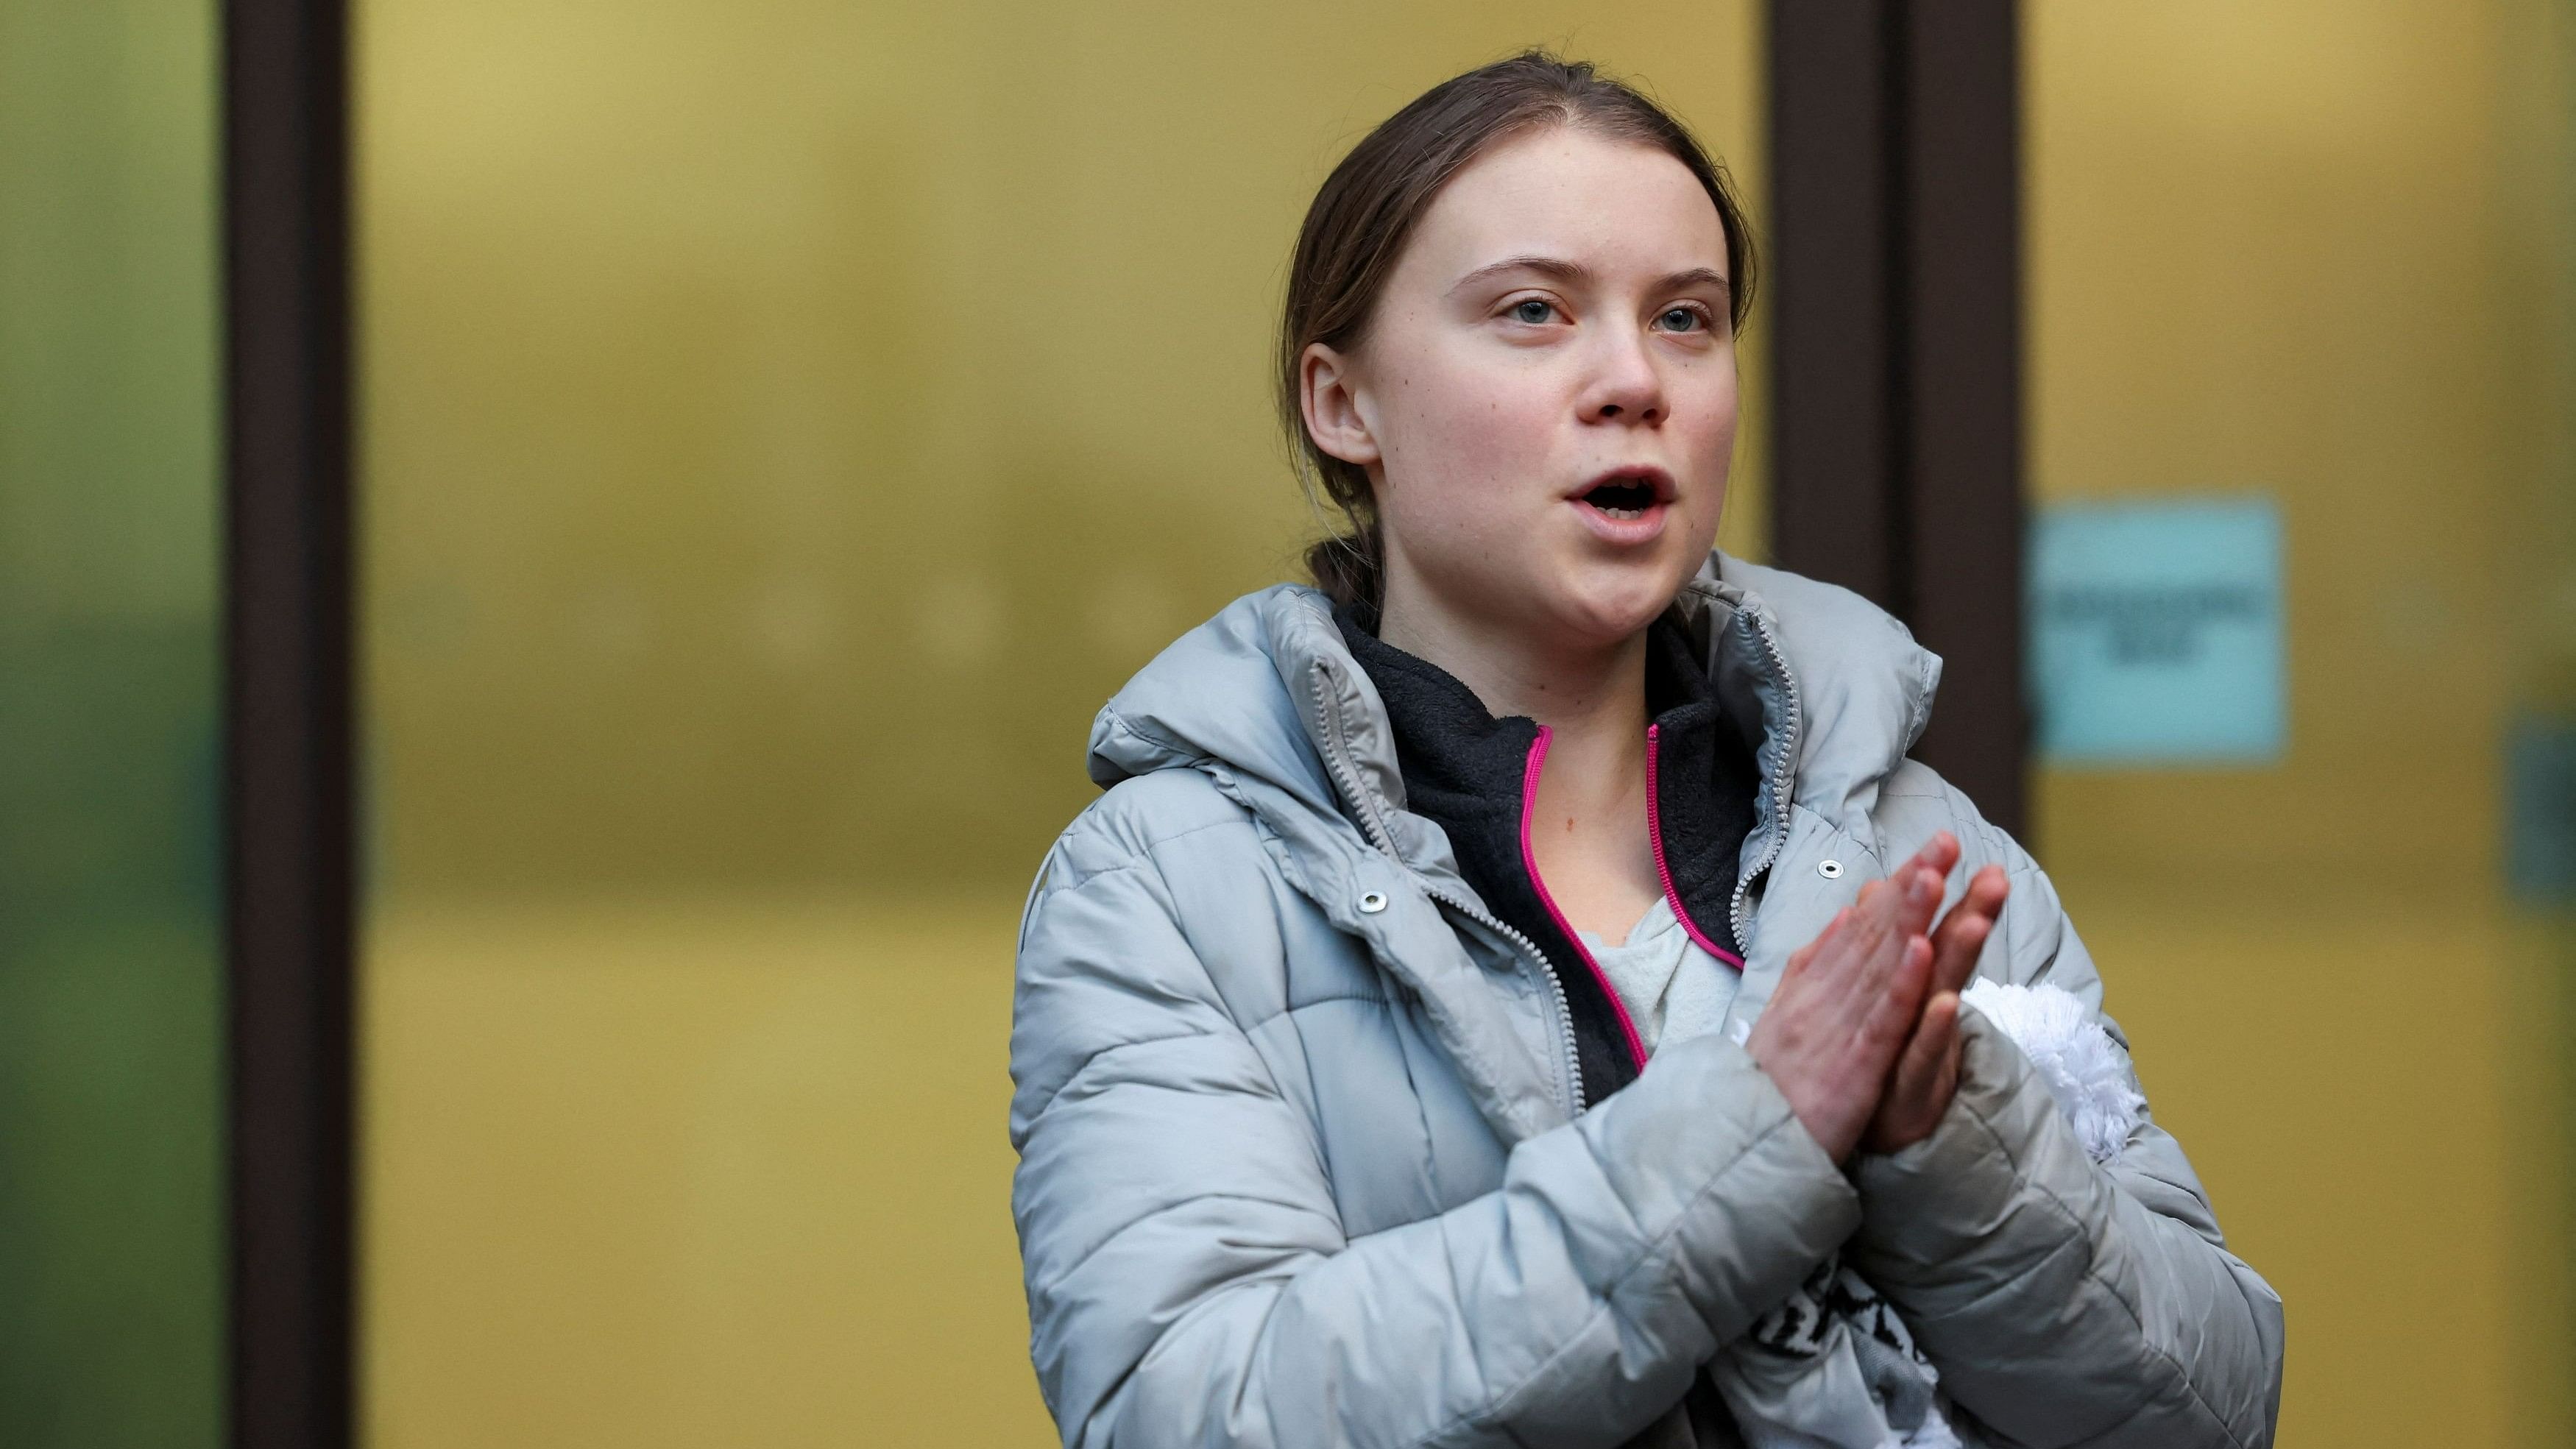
{"points": [[1545, 395]]}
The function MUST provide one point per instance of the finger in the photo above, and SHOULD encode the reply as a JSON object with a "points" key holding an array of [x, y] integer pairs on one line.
{"points": [[1964, 929], [1877, 901], [1886, 956], [1799, 958], [1946, 1084], [1955, 949], [1985, 894], [1927, 1052], [1921, 900], [1868, 936], [1853, 975], [1833, 928], [1938, 855], [1918, 899], [1892, 1011], [1932, 863]]}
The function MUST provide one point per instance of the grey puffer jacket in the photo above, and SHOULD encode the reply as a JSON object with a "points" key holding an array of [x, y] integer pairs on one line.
{"points": [[1301, 1161]]}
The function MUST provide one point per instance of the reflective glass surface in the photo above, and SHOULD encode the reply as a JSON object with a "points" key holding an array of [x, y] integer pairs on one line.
{"points": [[2319, 256], [111, 1019], [785, 423]]}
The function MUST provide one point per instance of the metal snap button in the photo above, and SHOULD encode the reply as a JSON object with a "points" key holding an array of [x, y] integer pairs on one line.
{"points": [[1373, 902], [1830, 869]]}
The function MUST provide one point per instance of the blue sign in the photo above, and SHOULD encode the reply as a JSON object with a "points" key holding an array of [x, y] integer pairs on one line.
{"points": [[2156, 634], [2540, 808]]}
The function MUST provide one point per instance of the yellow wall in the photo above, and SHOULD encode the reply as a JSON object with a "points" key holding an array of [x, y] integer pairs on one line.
{"points": [[713, 1173], [2316, 250], [784, 423]]}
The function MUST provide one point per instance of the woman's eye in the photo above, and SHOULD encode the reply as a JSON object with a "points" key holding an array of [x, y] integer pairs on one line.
{"points": [[1532, 311], [1679, 319]]}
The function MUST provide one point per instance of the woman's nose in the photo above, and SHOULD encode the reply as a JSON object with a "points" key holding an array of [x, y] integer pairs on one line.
{"points": [[1627, 386]]}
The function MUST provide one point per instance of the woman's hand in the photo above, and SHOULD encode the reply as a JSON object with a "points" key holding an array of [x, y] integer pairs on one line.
{"points": [[1927, 1074], [1850, 1000]]}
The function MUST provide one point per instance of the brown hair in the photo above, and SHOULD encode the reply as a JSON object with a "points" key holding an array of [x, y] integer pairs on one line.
{"points": [[1368, 208]]}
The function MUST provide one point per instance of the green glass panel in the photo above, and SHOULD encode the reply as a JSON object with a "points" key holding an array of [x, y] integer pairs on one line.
{"points": [[111, 1069]]}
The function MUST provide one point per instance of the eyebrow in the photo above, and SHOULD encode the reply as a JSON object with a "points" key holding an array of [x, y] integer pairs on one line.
{"points": [[1564, 270]]}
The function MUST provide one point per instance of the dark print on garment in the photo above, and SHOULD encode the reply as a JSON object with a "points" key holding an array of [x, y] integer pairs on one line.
{"points": [[1467, 772]]}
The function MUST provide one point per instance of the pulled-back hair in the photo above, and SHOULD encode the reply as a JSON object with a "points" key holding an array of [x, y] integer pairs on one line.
{"points": [[1367, 209]]}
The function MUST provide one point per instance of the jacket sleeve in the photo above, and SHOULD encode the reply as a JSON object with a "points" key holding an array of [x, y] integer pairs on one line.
{"points": [[1190, 1283], [2066, 1301]]}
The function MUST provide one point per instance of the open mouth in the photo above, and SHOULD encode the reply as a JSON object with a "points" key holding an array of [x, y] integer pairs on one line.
{"points": [[1622, 498]]}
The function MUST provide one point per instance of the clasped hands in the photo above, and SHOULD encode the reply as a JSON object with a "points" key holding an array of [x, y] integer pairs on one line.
{"points": [[1862, 1033]]}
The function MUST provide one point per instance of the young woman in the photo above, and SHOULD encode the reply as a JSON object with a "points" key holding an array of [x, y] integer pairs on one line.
{"points": [[1505, 995]]}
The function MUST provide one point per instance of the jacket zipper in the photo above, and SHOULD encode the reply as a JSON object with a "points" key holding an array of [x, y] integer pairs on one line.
{"points": [[1663, 872], [1379, 836], [1781, 779]]}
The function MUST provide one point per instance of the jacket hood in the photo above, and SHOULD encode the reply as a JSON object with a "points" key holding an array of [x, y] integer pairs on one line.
{"points": [[1863, 688], [1250, 690], [1267, 701], [1228, 693]]}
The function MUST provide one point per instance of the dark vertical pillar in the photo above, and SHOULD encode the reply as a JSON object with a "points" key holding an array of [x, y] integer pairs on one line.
{"points": [[1963, 387], [1896, 226], [1834, 224], [288, 720]]}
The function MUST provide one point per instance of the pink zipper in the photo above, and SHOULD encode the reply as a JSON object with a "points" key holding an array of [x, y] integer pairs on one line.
{"points": [[1663, 872], [1529, 862]]}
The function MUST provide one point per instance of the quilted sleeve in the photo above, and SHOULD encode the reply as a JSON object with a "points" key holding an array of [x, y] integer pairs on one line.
{"points": [[1190, 1283], [2065, 1300]]}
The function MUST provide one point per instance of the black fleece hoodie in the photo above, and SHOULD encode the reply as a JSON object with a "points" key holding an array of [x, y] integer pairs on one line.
{"points": [[1469, 773]]}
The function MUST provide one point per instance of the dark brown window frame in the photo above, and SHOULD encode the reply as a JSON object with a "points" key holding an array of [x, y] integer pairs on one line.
{"points": [[1896, 346], [288, 721]]}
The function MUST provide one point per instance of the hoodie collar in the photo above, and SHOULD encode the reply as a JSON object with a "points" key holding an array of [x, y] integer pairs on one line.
{"points": [[1473, 773], [1268, 701], [1830, 690]]}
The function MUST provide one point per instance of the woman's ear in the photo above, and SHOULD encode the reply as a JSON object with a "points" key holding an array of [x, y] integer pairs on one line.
{"points": [[1336, 417]]}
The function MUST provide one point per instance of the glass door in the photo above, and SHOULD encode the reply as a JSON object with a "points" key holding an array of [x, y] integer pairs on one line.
{"points": [[783, 425], [112, 1245], [2300, 396]]}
